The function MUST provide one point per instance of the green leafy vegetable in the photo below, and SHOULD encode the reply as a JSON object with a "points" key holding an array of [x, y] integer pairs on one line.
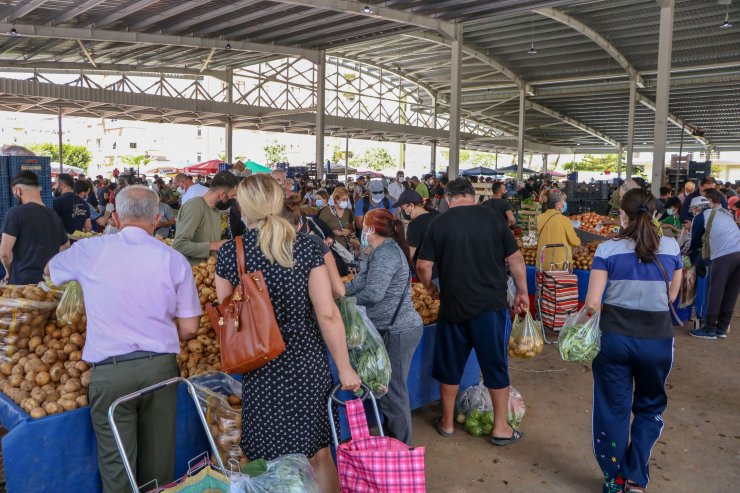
{"points": [[580, 338]]}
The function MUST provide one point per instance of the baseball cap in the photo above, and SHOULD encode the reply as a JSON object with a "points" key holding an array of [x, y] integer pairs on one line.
{"points": [[699, 201], [376, 186], [408, 197]]}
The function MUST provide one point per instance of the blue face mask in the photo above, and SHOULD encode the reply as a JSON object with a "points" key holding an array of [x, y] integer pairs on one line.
{"points": [[363, 238], [319, 202], [565, 207]]}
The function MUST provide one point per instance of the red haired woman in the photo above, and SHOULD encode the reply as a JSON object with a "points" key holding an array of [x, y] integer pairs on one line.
{"points": [[383, 288]]}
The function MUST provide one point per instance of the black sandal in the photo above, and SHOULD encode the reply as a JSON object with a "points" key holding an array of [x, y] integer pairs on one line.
{"points": [[439, 429], [516, 435]]}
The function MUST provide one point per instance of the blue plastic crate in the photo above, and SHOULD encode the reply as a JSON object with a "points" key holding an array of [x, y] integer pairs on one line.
{"points": [[4, 184], [224, 166], [41, 165]]}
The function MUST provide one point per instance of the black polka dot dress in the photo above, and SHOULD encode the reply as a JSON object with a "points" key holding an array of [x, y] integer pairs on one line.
{"points": [[284, 409]]}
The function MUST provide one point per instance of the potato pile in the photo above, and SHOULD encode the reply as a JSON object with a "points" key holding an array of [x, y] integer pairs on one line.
{"points": [[45, 373], [427, 306], [530, 255], [525, 347], [583, 256], [202, 354]]}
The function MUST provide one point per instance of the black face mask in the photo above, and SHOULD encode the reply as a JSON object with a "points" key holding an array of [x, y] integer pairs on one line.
{"points": [[223, 205], [18, 199], [405, 215], [57, 192]]}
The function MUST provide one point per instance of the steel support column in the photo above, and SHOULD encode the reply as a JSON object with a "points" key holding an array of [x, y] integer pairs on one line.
{"points": [[631, 127], [520, 139], [619, 161], [433, 161], [456, 60], [61, 154], [320, 112], [229, 128], [663, 88], [544, 163]]}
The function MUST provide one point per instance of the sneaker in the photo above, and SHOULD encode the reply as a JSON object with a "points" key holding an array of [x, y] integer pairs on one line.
{"points": [[721, 333], [703, 333]]}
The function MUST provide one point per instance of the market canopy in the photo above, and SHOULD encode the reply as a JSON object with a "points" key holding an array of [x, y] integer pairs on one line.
{"points": [[204, 168], [480, 171], [512, 169], [72, 170], [256, 168]]}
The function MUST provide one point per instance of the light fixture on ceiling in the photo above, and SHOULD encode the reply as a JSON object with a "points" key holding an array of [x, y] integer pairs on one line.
{"points": [[531, 49], [367, 9], [727, 24], [13, 32], [228, 46]]}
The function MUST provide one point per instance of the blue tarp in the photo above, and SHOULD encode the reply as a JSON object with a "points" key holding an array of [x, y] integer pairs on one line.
{"points": [[57, 454]]}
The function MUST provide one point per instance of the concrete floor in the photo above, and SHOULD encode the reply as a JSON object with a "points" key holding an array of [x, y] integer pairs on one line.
{"points": [[699, 450]]}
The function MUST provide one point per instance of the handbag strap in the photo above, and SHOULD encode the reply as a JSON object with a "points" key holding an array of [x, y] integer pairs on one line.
{"points": [[403, 296], [668, 291], [356, 418], [240, 256]]}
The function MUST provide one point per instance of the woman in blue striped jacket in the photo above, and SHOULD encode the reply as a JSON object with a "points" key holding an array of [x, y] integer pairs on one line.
{"points": [[644, 275]]}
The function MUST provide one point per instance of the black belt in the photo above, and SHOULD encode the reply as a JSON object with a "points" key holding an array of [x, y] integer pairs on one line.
{"points": [[127, 357]]}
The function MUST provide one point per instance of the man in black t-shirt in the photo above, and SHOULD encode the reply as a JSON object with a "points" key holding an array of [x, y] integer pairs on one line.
{"points": [[32, 233], [470, 246], [500, 204], [71, 208], [413, 209]]}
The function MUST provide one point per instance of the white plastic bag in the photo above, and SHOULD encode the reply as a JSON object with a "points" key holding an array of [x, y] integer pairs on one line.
{"points": [[287, 474]]}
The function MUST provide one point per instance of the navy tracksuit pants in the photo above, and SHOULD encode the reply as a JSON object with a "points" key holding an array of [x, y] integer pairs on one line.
{"points": [[629, 378]]}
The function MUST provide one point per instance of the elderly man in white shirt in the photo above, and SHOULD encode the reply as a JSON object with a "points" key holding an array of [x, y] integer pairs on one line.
{"points": [[187, 188], [141, 301]]}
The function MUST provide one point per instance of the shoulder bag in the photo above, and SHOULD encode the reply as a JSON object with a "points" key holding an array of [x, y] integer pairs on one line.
{"points": [[245, 322], [674, 315]]}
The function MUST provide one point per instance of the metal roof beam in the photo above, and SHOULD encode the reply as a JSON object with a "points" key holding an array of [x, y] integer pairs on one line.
{"points": [[445, 28], [120, 14], [594, 36], [154, 39], [571, 121], [143, 70], [678, 122], [212, 14], [166, 14], [24, 8], [74, 12]]}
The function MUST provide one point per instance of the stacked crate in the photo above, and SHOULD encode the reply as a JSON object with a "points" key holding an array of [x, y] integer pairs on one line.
{"points": [[41, 165]]}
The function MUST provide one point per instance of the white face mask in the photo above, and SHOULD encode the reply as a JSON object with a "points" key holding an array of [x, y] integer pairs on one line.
{"points": [[377, 197], [180, 189], [344, 204]]}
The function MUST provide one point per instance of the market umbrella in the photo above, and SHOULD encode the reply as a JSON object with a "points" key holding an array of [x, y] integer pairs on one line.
{"points": [[204, 168], [72, 170], [256, 168], [480, 171], [513, 169]]}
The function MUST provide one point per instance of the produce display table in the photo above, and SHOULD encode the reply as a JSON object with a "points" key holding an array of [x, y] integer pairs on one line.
{"points": [[57, 454]]}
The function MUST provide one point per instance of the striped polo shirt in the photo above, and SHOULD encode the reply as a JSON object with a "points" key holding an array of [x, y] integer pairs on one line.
{"points": [[636, 301]]}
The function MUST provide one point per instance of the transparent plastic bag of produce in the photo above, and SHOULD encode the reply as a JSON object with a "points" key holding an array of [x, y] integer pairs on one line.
{"points": [[370, 360], [287, 474], [220, 398], [354, 326], [516, 408], [71, 308], [510, 291], [475, 410], [525, 340], [24, 313], [580, 337]]}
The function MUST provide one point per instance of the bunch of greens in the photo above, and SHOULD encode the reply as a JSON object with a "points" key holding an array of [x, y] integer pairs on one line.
{"points": [[580, 338], [479, 423], [370, 360], [354, 326], [287, 474]]}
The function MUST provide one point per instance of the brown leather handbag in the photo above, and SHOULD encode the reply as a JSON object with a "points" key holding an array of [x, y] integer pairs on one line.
{"points": [[245, 322]]}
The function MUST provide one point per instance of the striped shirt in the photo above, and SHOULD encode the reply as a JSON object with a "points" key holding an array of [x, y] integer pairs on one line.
{"points": [[636, 302]]}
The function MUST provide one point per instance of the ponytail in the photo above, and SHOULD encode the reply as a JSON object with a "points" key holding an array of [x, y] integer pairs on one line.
{"points": [[399, 236], [275, 239], [639, 205]]}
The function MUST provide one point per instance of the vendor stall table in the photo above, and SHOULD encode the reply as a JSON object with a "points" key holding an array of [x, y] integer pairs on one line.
{"points": [[57, 454]]}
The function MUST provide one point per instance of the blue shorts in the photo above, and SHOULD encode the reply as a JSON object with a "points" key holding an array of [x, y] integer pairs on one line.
{"points": [[488, 334]]}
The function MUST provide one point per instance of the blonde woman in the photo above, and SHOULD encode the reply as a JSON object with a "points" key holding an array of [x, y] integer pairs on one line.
{"points": [[284, 408], [339, 217]]}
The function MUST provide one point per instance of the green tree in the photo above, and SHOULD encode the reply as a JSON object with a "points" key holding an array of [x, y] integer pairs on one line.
{"points": [[222, 157], [275, 153], [376, 159], [472, 159], [604, 162], [73, 155], [136, 161]]}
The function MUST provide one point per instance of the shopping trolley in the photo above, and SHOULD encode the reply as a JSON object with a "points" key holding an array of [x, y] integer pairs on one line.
{"points": [[199, 460], [556, 293]]}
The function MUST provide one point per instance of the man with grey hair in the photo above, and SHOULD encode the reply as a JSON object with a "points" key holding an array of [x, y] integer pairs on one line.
{"points": [[129, 350], [187, 188]]}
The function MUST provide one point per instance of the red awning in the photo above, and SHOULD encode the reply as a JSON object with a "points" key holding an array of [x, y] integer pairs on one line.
{"points": [[205, 168]]}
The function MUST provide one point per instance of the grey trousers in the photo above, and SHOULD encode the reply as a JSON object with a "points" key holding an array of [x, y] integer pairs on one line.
{"points": [[395, 404], [146, 425], [724, 286]]}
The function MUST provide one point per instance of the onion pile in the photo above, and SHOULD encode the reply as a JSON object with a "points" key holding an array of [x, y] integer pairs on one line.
{"points": [[590, 221], [583, 256]]}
